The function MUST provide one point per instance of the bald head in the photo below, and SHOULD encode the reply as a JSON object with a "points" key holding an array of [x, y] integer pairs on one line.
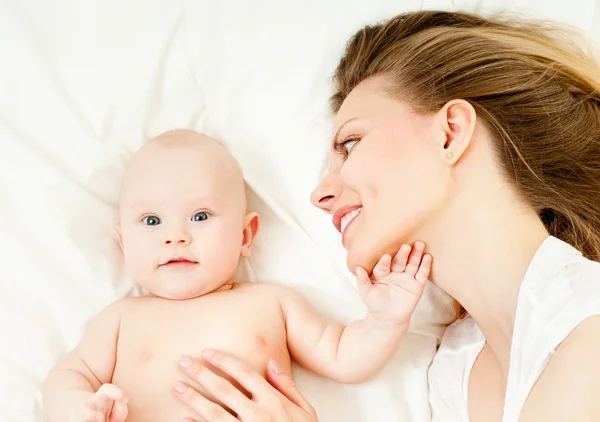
{"points": [[183, 197], [180, 162]]}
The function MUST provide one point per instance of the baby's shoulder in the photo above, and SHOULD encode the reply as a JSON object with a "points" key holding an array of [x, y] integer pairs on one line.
{"points": [[126, 303], [122, 307]]}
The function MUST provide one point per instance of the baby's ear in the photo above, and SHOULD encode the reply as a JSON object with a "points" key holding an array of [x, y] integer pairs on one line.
{"points": [[117, 228], [251, 224]]}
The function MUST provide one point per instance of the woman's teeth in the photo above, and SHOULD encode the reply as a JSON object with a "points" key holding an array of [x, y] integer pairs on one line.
{"points": [[346, 219]]}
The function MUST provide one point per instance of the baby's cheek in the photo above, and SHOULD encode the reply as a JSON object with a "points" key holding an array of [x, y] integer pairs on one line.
{"points": [[140, 261], [225, 256]]}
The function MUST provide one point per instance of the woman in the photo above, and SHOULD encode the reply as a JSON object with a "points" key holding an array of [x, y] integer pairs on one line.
{"points": [[482, 139]]}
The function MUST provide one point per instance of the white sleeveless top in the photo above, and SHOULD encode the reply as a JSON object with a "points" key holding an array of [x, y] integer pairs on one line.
{"points": [[561, 289]]}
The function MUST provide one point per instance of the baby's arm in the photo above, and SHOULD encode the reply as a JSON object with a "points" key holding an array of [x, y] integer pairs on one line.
{"points": [[78, 388], [352, 353]]}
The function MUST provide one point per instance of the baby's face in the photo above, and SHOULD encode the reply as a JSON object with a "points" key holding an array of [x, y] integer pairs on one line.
{"points": [[182, 224]]}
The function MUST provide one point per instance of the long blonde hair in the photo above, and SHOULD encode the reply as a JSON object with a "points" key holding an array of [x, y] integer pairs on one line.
{"points": [[536, 91]]}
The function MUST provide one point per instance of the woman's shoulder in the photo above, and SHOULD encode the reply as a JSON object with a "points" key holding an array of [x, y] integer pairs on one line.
{"points": [[568, 388], [556, 334], [560, 291], [559, 276]]}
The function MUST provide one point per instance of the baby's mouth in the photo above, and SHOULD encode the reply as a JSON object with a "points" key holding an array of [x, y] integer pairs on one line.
{"points": [[179, 263]]}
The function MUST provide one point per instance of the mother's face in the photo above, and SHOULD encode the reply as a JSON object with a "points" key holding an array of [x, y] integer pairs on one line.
{"points": [[386, 178]]}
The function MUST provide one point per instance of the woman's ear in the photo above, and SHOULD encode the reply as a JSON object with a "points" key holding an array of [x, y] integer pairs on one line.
{"points": [[456, 123], [117, 228], [251, 225]]}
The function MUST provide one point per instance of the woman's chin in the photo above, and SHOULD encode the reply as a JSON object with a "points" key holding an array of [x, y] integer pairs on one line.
{"points": [[361, 257], [366, 255]]}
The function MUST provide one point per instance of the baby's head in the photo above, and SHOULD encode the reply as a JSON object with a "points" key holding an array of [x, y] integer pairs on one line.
{"points": [[183, 224]]}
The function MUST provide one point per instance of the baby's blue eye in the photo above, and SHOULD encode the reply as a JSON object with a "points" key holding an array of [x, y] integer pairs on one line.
{"points": [[200, 216], [151, 220]]}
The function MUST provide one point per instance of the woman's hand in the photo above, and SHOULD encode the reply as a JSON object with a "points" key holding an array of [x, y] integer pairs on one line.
{"points": [[275, 400]]}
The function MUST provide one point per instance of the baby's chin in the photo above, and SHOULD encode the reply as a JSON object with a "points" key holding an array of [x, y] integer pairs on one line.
{"points": [[177, 295], [186, 293]]}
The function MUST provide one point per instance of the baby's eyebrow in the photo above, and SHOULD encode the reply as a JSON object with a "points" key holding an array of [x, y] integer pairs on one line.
{"points": [[143, 204], [185, 202], [197, 199]]}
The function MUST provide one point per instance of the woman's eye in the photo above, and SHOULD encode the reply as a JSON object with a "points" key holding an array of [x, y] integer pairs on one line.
{"points": [[200, 216], [345, 147], [151, 220], [348, 145]]}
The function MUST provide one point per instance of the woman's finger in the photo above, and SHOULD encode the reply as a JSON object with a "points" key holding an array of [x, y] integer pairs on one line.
{"points": [[287, 387], [218, 387], [245, 376], [199, 404]]}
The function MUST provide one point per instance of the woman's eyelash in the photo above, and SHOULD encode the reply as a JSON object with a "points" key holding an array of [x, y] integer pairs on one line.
{"points": [[340, 146]]}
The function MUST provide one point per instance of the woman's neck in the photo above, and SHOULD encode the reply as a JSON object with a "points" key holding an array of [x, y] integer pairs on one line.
{"points": [[482, 261]]}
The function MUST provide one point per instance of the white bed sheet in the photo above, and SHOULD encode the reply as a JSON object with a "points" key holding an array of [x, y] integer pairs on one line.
{"points": [[84, 83]]}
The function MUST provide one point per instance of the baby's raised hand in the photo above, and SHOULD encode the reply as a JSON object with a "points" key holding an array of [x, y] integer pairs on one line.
{"points": [[395, 287], [108, 404]]}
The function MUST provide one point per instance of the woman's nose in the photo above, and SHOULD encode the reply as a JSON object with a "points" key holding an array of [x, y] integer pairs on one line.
{"points": [[327, 192]]}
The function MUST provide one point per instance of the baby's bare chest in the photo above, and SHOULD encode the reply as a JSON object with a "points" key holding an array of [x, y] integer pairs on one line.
{"points": [[155, 334]]}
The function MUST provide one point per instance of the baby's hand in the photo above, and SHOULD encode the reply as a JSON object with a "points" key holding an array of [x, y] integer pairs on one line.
{"points": [[395, 287], [108, 404]]}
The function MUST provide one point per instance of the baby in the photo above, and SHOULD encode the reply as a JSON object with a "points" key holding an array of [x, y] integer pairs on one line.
{"points": [[183, 228]]}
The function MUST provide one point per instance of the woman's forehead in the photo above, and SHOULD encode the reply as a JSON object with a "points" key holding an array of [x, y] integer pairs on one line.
{"points": [[365, 99]]}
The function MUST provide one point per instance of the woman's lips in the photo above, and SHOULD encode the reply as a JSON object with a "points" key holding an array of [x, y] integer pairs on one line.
{"points": [[341, 213], [349, 218], [344, 217]]}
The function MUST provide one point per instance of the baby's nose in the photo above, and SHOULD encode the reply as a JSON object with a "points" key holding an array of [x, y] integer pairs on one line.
{"points": [[180, 238]]}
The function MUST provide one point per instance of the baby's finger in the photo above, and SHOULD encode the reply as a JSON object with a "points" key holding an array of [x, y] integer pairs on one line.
{"points": [[95, 417], [92, 415], [414, 259], [382, 268], [111, 392], [401, 258], [119, 412], [424, 269], [99, 404], [363, 281]]}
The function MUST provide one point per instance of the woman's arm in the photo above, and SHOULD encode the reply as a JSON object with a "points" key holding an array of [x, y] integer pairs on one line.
{"points": [[569, 387], [275, 402]]}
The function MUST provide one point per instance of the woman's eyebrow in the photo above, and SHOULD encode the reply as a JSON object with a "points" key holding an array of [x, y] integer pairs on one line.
{"points": [[337, 133]]}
